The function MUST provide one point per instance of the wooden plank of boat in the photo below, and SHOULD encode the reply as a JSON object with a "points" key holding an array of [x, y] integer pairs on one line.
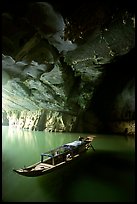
{"points": [[56, 158]]}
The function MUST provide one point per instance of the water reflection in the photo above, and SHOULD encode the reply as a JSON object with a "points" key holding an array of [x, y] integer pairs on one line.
{"points": [[19, 134], [104, 175], [33, 138]]}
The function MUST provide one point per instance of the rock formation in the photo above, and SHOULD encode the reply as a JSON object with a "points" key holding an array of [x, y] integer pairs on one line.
{"points": [[69, 71]]}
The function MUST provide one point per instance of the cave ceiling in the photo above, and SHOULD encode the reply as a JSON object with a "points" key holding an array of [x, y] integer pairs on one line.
{"points": [[54, 55]]}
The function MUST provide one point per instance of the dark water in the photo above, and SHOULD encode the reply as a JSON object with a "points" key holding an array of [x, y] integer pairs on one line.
{"points": [[106, 175]]}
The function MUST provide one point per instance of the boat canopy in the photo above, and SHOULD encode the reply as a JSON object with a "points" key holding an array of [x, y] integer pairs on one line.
{"points": [[45, 154]]}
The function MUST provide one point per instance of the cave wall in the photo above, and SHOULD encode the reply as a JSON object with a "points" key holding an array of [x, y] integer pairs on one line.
{"points": [[40, 120], [113, 105], [69, 71]]}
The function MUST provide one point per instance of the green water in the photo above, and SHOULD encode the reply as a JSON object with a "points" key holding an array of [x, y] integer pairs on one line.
{"points": [[106, 175]]}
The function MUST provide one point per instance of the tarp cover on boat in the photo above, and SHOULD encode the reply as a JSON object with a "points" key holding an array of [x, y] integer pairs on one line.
{"points": [[75, 143]]}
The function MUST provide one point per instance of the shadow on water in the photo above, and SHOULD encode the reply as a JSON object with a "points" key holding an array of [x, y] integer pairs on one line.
{"points": [[96, 176]]}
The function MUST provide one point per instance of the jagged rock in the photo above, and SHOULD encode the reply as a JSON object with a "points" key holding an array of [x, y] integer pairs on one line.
{"points": [[60, 66]]}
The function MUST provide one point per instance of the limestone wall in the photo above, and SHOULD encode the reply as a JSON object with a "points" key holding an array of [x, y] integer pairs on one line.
{"points": [[40, 120]]}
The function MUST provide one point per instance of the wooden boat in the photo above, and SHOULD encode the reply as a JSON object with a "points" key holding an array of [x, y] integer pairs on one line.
{"points": [[57, 157]]}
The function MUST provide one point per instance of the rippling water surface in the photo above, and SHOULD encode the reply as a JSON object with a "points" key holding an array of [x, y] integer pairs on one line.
{"points": [[106, 175]]}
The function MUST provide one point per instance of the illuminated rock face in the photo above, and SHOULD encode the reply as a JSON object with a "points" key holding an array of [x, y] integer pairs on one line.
{"points": [[69, 73], [40, 120]]}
